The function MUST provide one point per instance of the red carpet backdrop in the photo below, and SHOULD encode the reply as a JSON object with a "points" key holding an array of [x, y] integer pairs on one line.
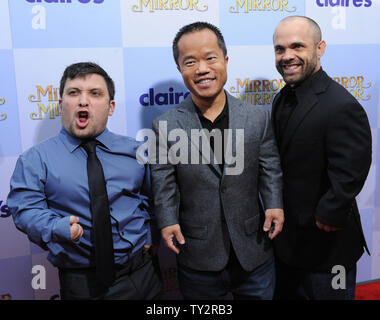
{"points": [[132, 40]]}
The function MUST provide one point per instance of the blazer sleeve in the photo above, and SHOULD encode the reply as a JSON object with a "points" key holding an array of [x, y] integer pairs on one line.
{"points": [[348, 153], [270, 174], [164, 183]]}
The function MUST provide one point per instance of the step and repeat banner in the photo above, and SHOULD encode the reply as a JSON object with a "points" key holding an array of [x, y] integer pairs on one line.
{"points": [[131, 40]]}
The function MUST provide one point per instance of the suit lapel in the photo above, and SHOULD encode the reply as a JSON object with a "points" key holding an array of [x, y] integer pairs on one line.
{"points": [[276, 103], [308, 99], [237, 118], [188, 120], [305, 105]]}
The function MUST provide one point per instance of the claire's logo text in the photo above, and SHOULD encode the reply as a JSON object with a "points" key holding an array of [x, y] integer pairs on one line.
{"points": [[39, 11], [3, 116], [51, 109], [154, 5], [343, 3], [162, 98], [261, 5], [4, 210], [356, 86], [257, 92]]}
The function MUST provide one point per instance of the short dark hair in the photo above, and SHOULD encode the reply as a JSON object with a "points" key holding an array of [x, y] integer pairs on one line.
{"points": [[198, 26], [80, 70]]}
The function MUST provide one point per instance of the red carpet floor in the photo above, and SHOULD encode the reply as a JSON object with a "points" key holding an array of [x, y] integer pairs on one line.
{"points": [[368, 291]]}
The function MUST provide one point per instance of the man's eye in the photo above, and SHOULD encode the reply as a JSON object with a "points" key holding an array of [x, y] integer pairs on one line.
{"points": [[72, 92], [95, 93], [189, 63]]}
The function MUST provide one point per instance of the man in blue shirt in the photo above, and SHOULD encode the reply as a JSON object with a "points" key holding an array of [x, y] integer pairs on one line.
{"points": [[49, 195]]}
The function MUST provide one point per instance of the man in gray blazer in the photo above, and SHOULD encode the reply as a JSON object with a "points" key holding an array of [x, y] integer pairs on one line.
{"points": [[209, 198]]}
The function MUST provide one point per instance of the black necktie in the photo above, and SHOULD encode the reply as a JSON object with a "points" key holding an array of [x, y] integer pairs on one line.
{"points": [[101, 220]]}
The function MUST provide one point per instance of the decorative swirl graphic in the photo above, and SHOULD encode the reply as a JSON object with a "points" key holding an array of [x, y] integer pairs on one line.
{"points": [[205, 6], [294, 9]]}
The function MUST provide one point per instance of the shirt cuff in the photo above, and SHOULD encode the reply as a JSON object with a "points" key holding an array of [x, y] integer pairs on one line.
{"points": [[61, 230]]}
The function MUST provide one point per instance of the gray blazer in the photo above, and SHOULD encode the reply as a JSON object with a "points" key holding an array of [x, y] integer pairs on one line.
{"points": [[213, 208]]}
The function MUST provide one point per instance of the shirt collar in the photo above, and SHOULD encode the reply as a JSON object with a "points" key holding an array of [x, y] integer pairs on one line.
{"points": [[304, 85], [220, 116], [72, 143]]}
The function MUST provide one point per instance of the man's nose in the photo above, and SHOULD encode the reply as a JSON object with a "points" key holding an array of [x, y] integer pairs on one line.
{"points": [[202, 67], [288, 55], [83, 99]]}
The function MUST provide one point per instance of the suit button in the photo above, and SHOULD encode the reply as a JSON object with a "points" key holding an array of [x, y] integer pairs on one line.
{"points": [[224, 189]]}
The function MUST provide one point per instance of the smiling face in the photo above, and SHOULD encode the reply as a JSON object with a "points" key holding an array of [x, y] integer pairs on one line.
{"points": [[203, 66], [85, 106], [297, 49]]}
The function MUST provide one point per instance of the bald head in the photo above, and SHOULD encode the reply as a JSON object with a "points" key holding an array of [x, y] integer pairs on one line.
{"points": [[313, 28], [298, 48]]}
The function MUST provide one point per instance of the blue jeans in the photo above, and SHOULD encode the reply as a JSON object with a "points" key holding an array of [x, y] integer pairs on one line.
{"points": [[257, 284], [297, 284]]}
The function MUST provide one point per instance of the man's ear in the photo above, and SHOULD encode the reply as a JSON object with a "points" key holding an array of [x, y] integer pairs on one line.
{"points": [[112, 107], [321, 47]]}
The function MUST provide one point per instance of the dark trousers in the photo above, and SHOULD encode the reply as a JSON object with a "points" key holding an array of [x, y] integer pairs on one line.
{"points": [[296, 284], [257, 284], [139, 279]]}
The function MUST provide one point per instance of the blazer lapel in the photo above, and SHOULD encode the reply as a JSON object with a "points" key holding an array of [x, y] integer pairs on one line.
{"points": [[275, 106], [308, 99], [306, 103], [237, 120], [189, 120]]}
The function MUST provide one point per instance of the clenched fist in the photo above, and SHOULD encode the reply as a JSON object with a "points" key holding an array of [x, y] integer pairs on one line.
{"points": [[76, 230]]}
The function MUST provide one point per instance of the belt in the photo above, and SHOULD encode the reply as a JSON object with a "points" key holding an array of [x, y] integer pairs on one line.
{"points": [[134, 263]]}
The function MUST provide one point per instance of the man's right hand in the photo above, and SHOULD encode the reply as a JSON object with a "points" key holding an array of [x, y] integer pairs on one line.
{"points": [[76, 230], [167, 235]]}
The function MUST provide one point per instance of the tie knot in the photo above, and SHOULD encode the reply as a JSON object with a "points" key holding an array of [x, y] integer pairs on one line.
{"points": [[90, 146]]}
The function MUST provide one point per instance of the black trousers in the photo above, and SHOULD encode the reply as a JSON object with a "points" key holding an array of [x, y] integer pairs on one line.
{"points": [[139, 279], [298, 284]]}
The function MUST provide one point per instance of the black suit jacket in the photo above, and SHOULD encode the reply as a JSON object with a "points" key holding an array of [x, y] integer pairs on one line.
{"points": [[325, 157]]}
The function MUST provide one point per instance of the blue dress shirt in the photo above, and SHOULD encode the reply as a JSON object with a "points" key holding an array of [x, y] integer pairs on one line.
{"points": [[50, 184]]}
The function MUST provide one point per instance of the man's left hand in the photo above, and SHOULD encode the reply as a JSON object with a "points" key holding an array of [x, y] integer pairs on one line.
{"points": [[274, 219], [326, 228]]}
